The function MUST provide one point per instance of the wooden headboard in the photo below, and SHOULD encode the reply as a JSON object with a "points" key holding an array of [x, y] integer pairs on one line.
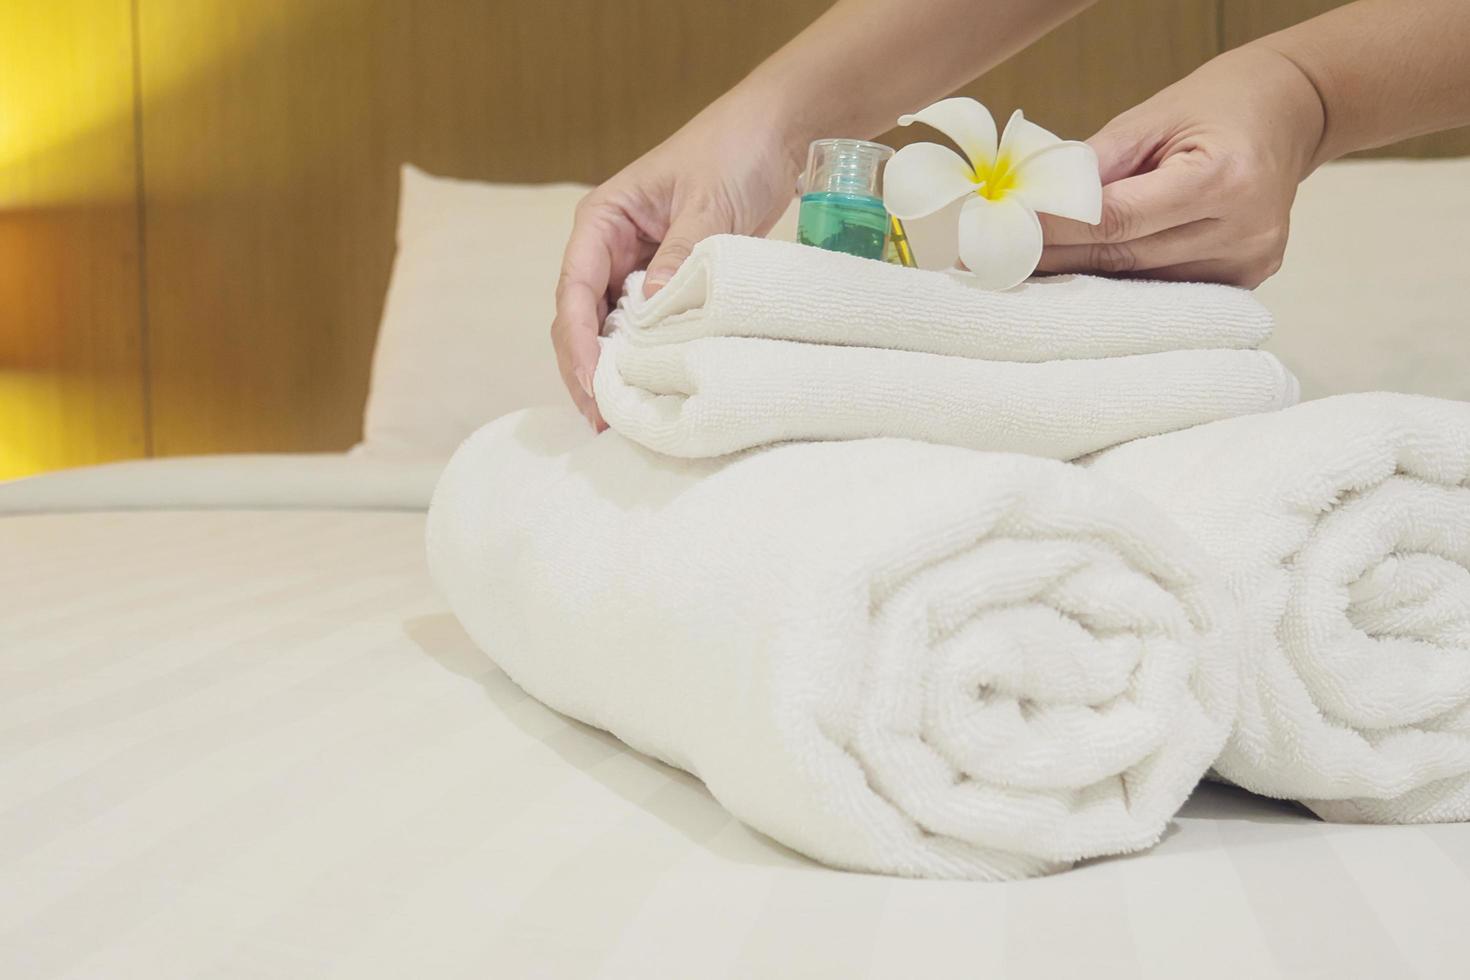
{"points": [[197, 199]]}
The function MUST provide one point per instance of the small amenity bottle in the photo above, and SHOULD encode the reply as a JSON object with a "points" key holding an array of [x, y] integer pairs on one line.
{"points": [[842, 198]]}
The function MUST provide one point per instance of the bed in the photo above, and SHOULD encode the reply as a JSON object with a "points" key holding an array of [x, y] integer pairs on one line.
{"points": [[242, 736]]}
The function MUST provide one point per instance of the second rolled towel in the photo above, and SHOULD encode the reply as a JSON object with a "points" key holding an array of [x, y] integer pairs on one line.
{"points": [[1343, 529], [756, 342]]}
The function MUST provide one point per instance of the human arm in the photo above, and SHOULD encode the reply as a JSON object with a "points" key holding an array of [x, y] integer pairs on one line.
{"points": [[733, 168], [1199, 180]]}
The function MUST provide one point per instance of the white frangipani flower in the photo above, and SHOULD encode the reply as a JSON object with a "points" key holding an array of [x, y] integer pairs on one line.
{"points": [[1009, 181]]}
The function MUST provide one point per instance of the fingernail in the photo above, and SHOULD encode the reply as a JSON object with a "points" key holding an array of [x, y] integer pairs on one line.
{"points": [[653, 284], [584, 378]]}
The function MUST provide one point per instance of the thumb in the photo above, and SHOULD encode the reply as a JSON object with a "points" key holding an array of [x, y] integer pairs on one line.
{"points": [[689, 227], [1120, 150]]}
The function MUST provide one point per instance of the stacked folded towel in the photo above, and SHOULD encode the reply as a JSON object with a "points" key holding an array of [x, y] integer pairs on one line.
{"points": [[891, 656], [755, 342], [1343, 529]]}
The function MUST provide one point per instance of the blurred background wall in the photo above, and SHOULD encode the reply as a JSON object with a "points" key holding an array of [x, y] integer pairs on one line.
{"points": [[197, 197]]}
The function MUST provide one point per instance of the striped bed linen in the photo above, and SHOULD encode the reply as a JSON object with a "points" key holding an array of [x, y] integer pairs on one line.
{"points": [[256, 744]]}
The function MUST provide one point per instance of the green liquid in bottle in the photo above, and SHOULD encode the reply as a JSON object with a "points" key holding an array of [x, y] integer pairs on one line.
{"points": [[851, 223]]}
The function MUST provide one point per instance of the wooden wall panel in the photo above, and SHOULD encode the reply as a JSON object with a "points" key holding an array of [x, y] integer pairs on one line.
{"points": [[272, 158], [1111, 57], [272, 168], [271, 135], [71, 360], [1245, 20]]}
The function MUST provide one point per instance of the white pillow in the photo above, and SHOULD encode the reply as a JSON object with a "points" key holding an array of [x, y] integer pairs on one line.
{"points": [[464, 336], [1375, 291]]}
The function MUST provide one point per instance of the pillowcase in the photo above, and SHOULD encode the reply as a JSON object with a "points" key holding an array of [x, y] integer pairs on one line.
{"points": [[1374, 294], [464, 335]]}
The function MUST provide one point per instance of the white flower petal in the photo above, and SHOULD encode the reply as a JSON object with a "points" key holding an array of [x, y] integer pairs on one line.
{"points": [[1000, 241], [965, 121], [933, 237], [924, 177], [1023, 138], [1061, 179]]}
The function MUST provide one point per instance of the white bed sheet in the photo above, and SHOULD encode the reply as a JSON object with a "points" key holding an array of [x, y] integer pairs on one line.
{"points": [[260, 481], [256, 744]]}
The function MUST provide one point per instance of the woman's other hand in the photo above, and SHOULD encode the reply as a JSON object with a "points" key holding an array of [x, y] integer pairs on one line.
{"points": [[1198, 181], [726, 171]]}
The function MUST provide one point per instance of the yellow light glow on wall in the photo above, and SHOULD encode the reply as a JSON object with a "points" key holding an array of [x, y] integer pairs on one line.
{"points": [[70, 327], [72, 330], [67, 67], [68, 72]]}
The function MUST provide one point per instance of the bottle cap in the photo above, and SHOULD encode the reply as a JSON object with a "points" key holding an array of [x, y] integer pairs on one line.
{"points": [[845, 167]]}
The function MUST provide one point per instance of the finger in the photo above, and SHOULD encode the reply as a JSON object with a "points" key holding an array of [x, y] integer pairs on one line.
{"points": [[625, 262], [1173, 246], [581, 349], [1206, 270], [777, 213], [1136, 207], [1120, 153], [1227, 271], [586, 268], [690, 227]]}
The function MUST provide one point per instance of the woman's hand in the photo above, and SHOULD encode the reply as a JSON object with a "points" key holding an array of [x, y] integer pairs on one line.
{"points": [[733, 168], [1199, 180], [726, 171]]}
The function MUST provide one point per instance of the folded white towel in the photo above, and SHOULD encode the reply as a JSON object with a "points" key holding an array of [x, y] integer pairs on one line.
{"points": [[732, 286], [755, 342], [890, 656], [723, 394], [1343, 526]]}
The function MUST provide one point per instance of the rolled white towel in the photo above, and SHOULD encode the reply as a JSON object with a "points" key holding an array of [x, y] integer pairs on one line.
{"points": [[733, 286], [754, 342], [1343, 526], [890, 656]]}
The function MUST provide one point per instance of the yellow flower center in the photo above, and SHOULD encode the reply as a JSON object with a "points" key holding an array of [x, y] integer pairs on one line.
{"points": [[995, 181]]}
